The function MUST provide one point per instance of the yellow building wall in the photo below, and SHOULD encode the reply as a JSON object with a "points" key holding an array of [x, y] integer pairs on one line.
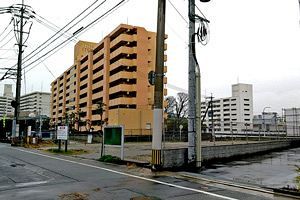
{"points": [[135, 121]]}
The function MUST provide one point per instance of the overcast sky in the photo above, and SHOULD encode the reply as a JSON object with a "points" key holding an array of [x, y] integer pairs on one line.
{"points": [[251, 41]]}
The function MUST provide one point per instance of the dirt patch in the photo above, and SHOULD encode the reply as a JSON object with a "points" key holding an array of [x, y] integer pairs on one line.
{"points": [[74, 196]]}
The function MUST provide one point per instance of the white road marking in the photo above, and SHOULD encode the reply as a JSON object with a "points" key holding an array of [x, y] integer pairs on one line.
{"points": [[130, 175], [30, 183]]}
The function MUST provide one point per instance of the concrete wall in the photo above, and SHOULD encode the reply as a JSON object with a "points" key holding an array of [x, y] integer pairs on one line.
{"points": [[227, 151], [175, 157], [178, 157]]}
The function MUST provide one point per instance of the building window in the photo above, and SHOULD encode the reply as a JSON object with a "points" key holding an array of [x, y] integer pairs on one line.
{"points": [[83, 86], [83, 95], [84, 77], [84, 69], [84, 59], [96, 80], [98, 89], [98, 69]]}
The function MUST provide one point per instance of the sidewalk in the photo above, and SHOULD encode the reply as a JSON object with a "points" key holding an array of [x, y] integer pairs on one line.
{"points": [[139, 152]]}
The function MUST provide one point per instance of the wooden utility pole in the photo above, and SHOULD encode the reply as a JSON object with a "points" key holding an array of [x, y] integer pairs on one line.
{"points": [[158, 87]]}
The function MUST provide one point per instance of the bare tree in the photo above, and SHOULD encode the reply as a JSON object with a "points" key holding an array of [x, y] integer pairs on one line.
{"points": [[181, 107], [177, 110], [170, 108]]}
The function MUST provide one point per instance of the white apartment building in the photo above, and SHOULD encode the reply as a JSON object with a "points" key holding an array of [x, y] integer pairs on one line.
{"points": [[5, 101], [292, 119], [36, 102], [231, 114]]}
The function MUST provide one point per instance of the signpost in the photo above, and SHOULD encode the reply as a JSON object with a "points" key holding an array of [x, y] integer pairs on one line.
{"points": [[62, 134], [114, 136], [180, 129]]}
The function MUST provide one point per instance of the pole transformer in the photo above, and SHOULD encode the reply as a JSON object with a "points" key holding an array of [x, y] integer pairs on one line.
{"points": [[158, 120]]}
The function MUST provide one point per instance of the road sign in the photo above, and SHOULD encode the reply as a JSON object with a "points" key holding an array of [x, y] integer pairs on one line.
{"points": [[62, 132], [114, 136], [151, 77]]}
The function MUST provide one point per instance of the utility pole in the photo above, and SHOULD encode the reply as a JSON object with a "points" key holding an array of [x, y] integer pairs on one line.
{"points": [[159, 87], [19, 68], [192, 88]]}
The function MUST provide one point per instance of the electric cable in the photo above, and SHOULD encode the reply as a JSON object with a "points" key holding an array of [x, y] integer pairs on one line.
{"points": [[6, 27], [182, 17], [26, 59], [65, 42], [53, 28], [55, 33]]}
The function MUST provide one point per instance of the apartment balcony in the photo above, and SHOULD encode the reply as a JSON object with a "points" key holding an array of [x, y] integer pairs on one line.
{"points": [[98, 64], [99, 53], [124, 50], [83, 100], [97, 84], [123, 37], [122, 74], [123, 61], [83, 91], [97, 95], [122, 101], [85, 82], [83, 73], [97, 75], [122, 87]]}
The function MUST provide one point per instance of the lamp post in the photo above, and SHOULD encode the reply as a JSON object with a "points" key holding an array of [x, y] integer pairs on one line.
{"points": [[263, 117]]}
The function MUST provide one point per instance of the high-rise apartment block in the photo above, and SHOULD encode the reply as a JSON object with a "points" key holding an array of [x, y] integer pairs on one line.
{"points": [[115, 72], [232, 114], [5, 101], [37, 103]]}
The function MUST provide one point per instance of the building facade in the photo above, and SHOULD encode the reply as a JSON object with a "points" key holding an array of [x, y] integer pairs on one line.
{"points": [[268, 123], [37, 103], [230, 115], [114, 72], [5, 102], [292, 119]]}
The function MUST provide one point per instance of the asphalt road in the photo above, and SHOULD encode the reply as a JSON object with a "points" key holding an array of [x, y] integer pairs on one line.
{"points": [[31, 175]]}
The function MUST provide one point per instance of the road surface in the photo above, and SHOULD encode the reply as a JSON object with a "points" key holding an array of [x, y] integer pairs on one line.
{"points": [[27, 174]]}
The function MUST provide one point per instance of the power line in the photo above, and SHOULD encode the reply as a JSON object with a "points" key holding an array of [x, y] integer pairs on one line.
{"points": [[5, 36], [182, 17], [49, 39], [65, 42], [6, 27], [51, 26], [12, 10]]}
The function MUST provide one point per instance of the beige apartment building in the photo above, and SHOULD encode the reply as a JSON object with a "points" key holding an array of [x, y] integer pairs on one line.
{"points": [[115, 72]]}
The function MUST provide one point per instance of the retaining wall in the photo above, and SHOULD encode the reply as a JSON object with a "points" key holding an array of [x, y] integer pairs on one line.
{"points": [[178, 157]]}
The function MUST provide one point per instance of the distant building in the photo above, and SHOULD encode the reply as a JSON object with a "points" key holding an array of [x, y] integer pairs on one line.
{"points": [[292, 118], [115, 72], [268, 122], [5, 101], [37, 103], [8, 90], [231, 114]]}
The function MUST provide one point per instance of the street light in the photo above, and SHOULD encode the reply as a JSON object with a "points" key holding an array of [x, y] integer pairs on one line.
{"points": [[263, 116]]}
